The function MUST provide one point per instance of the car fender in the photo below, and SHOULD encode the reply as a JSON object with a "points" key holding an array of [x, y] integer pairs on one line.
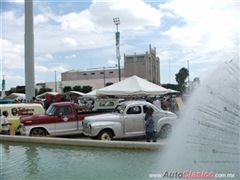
{"points": [[165, 120], [97, 127]]}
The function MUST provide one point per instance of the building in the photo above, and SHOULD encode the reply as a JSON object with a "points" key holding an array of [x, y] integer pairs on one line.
{"points": [[146, 66], [97, 77]]}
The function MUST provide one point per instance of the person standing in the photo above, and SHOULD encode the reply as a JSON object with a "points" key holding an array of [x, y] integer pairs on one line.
{"points": [[150, 126], [157, 103], [5, 124]]}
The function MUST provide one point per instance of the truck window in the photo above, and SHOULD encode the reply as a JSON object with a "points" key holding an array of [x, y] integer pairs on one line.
{"points": [[134, 110], [66, 110], [119, 108]]}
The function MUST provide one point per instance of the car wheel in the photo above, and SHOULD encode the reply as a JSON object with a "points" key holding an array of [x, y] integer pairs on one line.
{"points": [[165, 131], [105, 135], [38, 132]]}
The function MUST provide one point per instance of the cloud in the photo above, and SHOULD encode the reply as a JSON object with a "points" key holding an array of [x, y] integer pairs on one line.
{"points": [[15, 1], [90, 28], [40, 18], [10, 53], [46, 69], [111, 62], [203, 32], [76, 21], [209, 25], [73, 56], [99, 16], [134, 14], [49, 56], [45, 57], [70, 41]]}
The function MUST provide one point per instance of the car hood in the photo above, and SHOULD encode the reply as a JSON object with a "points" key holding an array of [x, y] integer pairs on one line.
{"points": [[102, 117], [32, 118]]}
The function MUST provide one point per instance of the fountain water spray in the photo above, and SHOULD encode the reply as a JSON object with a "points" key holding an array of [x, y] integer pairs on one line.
{"points": [[207, 136]]}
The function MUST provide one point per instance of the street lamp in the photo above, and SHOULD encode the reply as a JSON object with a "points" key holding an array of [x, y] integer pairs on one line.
{"points": [[55, 73], [117, 35]]}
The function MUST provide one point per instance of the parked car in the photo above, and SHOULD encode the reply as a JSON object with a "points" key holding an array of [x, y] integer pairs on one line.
{"points": [[15, 111], [127, 120], [61, 118]]}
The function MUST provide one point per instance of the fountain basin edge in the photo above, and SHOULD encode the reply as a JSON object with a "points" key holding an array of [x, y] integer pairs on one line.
{"points": [[84, 142]]}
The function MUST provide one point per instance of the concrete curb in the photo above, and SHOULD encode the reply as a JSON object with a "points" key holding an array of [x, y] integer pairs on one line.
{"points": [[84, 142]]}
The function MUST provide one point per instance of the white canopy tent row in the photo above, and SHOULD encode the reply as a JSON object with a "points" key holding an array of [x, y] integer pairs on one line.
{"points": [[91, 93], [16, 96], [74, 93], [43, 95], [133, 86]]}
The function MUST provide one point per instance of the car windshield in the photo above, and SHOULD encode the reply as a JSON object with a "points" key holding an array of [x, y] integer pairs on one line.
{"points": [[119, 108], [51, 110]]}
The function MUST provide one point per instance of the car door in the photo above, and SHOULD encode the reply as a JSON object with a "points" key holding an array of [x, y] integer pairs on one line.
{"points": [[134, 120], [67, 123]]}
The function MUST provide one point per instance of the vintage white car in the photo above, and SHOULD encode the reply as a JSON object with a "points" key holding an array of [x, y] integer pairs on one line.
{"points": [[127, 120]]}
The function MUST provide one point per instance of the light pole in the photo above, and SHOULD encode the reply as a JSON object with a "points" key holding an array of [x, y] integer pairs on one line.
{"points": [[117, 35], [55, 73], [3, 87], [104, 77]]}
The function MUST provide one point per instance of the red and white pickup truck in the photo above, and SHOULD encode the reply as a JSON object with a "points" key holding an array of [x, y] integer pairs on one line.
{"points": [[61, 118]]}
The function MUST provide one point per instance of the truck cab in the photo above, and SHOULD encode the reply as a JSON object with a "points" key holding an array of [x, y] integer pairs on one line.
{"points": [[60, 119]]}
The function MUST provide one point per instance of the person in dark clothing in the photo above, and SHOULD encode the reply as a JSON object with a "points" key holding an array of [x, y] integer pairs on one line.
{"points": [[150, 126]]}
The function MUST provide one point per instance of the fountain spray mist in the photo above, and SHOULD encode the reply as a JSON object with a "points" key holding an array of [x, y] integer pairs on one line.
{"points": [[207, 136]]}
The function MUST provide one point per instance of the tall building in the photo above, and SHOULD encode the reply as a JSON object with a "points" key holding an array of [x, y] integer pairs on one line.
{"points": [[146, 65]]}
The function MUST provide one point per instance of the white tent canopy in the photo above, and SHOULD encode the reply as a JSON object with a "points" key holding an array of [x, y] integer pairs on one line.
{"points": [[42, 96], [74, 93], [91, 94], [132, 86], [17, 96]]}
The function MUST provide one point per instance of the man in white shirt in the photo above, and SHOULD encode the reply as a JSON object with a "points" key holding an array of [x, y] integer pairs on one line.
{"points": [[5, 124]]}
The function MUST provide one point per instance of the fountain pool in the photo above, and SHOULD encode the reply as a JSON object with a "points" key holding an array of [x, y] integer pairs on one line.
{"points": [[25, 161]]}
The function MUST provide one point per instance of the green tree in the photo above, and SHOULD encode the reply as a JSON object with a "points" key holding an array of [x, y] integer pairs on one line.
{"points": [[171, 86], [67, 88], [43, 90], [77, 88], [181, 77], [20, 89], [86, 89], [109, 83]]}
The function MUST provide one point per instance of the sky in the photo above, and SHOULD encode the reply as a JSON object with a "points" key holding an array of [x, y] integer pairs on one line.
{"points": [[77, 35]]}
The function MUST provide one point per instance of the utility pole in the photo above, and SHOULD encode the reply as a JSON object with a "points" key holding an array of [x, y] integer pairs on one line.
{"points": [[117, 35], [3, 87], [104, 77], [55, 80]]}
